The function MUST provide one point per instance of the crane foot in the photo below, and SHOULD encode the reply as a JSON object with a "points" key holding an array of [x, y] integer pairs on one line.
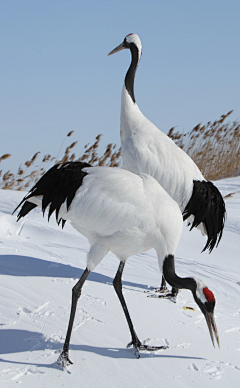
{"points": [[63, 361], [139, 346]]}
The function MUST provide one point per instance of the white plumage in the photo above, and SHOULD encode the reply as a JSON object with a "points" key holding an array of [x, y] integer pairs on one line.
{"points": [[121, 212], [116, 210], [146, 149]]}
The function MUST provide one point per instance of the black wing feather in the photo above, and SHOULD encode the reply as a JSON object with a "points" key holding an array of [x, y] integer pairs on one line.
{"points": [[57, 185], [207, 206], [26, 208]]}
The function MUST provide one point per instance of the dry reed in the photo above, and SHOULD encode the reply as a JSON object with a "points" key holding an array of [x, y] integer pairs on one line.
{"points": [[214, 147], [29, 173]]}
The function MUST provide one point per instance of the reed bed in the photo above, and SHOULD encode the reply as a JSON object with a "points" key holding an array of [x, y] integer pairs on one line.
{"points": [[214, 147], [31, 171]]}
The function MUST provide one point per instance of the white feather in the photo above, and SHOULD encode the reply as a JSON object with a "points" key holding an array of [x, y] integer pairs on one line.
{"points": [[124, 213], [199, 290], [146, 149]]}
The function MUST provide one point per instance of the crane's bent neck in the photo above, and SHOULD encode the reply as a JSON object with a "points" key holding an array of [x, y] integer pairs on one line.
{"points": [[130, 76], [173, 279]]}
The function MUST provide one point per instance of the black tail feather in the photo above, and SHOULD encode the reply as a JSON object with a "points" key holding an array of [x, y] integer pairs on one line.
{"points": [[25, 209], [57, 185], [207, 206]]}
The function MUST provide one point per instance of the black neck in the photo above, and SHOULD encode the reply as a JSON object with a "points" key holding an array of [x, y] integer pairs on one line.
{"points": [[173, 279], [130, 76]]}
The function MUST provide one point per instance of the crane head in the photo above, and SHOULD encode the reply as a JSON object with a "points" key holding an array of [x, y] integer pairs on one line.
{"points": [[206, 302], [131, 39]]}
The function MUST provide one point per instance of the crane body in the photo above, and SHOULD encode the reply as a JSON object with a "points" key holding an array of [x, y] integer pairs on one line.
{"points": [[145, 149]]}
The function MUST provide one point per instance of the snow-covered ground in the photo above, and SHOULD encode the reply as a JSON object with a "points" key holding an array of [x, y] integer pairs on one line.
{"points": [[40, 263]]}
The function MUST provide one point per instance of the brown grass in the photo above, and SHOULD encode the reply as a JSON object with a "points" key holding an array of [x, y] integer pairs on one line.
{"points": [[214, 147], [29, 172]]}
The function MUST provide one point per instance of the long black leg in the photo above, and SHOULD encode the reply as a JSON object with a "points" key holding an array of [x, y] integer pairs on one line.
{"points": [[117, 284], [136, 343], [163, 287], [63, 359]]}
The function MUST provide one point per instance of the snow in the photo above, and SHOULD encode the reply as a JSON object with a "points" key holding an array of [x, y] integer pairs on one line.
{"points": [[39, 265]]}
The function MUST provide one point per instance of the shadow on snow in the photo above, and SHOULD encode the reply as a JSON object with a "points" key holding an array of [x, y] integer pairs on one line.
{"points": [[15, 265], [17, 341]]}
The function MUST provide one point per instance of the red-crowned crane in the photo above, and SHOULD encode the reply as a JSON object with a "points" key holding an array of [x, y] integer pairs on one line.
{"points": [[121, 212], [145, 149]]}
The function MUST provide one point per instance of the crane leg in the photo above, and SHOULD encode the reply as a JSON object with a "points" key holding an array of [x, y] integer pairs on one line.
{"points": [[63, 359], [164, 289], [136, 343]]}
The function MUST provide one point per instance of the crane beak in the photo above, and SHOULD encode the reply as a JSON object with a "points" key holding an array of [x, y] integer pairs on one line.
{"points": [[118, 48], [212, 327]]}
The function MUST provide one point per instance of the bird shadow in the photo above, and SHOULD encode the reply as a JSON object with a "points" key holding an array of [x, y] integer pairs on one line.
{"points": [[16, 265], [19, 341]]}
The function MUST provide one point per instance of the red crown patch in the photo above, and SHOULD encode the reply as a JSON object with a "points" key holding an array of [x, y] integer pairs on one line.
{"points": [[209, 295]]}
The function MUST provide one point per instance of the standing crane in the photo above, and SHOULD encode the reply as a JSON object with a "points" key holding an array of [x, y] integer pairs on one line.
{"points": [[121, 212], [145, 149]]}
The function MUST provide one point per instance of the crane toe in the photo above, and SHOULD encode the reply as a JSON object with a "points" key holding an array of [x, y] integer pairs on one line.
{"points": [[139, 346], [63, 360]]}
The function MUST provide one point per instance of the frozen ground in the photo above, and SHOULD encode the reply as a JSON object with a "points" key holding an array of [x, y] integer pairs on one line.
{"points": [[40, 263]]}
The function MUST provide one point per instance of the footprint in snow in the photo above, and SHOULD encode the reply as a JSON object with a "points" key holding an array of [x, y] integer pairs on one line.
{"points": [[193, 367], [216, 369]]}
